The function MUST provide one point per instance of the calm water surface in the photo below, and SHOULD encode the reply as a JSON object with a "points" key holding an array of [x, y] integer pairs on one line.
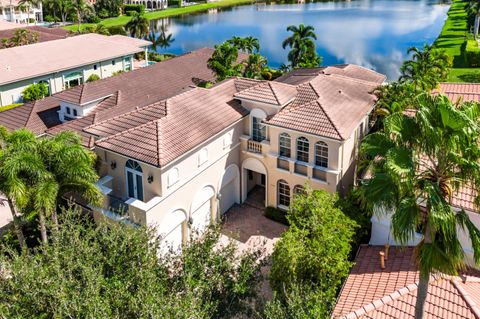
{"points": [[372, 33]]}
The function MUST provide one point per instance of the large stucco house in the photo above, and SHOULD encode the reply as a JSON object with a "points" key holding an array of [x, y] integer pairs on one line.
{"points": [[11, 10], [64, 63], [178, 156]]}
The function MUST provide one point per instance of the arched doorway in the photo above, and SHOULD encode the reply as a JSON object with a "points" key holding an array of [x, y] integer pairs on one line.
{"points": [[202, 209], [171, 231], [254, 182], [149, 4], [134, 174], [229, 188]]}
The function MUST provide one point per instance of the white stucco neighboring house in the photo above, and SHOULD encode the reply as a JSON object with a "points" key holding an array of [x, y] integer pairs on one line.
{"points": [[11, 10]]}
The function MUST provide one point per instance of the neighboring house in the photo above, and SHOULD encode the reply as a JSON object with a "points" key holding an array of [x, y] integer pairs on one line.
{"points": [[44, 34], [64, 63], [373, 292], [11, 10], [463, 199], [177, 156], [150, 4]]}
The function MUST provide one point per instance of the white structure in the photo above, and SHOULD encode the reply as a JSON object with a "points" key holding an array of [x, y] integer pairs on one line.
{"points": [[10, 10], [64, 63], [150, 4]]}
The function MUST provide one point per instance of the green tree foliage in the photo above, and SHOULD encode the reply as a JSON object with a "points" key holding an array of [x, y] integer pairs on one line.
{"points": [[89, 271], [109, 8], [248, 44], [93, 77], [310, 261], [302, 52], [138, 26], [420, 162], [98, 28], [20, 37], [223, 61], [254, 66], [35, 92], [81, 9]]}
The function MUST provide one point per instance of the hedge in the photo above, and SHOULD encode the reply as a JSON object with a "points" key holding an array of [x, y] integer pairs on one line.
{"points": [[472, 53], [140, 8], [277, 215]]}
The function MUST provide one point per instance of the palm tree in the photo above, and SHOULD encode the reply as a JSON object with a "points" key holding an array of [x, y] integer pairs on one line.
{"points": [[138, 26], [98, 28], [80, 7], [28, 5], [251, 44], [23, 37], [418, 163], [222, 62], [254, 65], [301, 44]]}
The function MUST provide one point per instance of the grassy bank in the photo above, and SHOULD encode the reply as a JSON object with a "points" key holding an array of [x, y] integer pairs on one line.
{"points": [[453, 38], [122, 20]]}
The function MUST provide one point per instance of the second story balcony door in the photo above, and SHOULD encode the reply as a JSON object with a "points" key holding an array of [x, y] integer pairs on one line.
{"points": [[259, 131], [134, 180]]}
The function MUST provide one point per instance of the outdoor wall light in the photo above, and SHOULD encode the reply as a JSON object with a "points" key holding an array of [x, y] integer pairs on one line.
{"points": [[190, 221], [150, 179], [113, 164]]}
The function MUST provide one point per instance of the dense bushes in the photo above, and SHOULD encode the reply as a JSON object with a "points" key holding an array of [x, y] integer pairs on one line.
{"points": [[35, 92], [472, 53], [175, 3], [130, 13], [93, 77], [117, 29], [140, 8], [276, 214]]}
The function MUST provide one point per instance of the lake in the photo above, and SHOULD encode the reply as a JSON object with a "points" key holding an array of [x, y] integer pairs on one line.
{"points": [[371, 33]]}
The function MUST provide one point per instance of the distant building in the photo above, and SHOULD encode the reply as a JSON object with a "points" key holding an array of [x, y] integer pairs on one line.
{"points": [[10, 10], [150, 4], [64, 63]]}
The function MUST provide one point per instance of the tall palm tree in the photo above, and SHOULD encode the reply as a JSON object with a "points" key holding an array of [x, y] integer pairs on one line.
{"points": [[251, 44], [138, 26], [81, 8], [418, 163], [28, 5], [301, 44], [223, 61], [254, 65]]}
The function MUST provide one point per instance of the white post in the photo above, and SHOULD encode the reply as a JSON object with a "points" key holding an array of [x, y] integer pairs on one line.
{"points": [[146, 56], [476, 25]]}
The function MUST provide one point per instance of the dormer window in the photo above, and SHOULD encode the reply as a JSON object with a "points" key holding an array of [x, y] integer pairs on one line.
{"points": [[68, 110], [75, 113]]}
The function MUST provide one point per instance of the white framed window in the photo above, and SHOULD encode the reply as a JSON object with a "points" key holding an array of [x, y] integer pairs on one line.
{"points": [[259, 130], [227, 140], [134, 178], [283, 193], [284, 145], [303, 148], [321, 154], [202, 156], [173, 176], [127, 64]]}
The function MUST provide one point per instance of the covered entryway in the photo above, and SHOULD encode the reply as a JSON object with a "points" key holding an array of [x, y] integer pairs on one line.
{"points": [[201, 211], [171, 231], [229, 188], [254, 181]]}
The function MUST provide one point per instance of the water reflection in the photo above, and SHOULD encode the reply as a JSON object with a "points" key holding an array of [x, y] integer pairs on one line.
{"points": [[372, 33]]}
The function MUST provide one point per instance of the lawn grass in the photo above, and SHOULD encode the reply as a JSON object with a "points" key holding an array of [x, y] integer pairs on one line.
{"points": [[122, 20], [453, 40], [8, 107]]}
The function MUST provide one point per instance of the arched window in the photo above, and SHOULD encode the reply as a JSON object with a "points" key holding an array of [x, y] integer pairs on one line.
{"points": [[173, 176], [321, 154], [134, 175], [298, 190], [283, 191], [303, 147], [202, 156], [284, 145]]}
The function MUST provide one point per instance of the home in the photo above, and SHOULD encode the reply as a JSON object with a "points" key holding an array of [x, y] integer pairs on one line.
{"points": [[13, 11], [64, 63], [176, 156], [150, 4]]}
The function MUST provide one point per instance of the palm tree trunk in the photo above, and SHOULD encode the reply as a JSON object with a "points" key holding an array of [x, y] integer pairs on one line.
{"points": [[55, 219], [17, 224], [43, 228], [421, 295], [78, 21]]}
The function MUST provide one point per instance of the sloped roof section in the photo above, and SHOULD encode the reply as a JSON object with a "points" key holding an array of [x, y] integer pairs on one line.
{"points": [[275, 93], [460, 91], [374, 293]]}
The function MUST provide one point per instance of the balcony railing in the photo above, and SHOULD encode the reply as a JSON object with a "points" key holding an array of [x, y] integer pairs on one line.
{"points": [[301, 169], [254, 146]]}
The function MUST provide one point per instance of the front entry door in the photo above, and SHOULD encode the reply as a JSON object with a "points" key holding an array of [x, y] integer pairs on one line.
{"points": [[135, 185]]}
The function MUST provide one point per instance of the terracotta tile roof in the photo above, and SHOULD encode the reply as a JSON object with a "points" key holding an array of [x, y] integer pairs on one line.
{"points": [[44, 34], [465, 198], [301, 76], [275, 93], [136, 89], [17, 63], [191, 118], [460, 91], [328, 105], [7, 25], [370, 292]]}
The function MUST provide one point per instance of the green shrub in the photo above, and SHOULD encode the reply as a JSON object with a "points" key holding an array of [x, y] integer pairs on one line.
{"points": [[472, 53], [35, 92], [130, 13], [276, 214], [117, 29], [140, 8], [175, 3], [93, 77]]}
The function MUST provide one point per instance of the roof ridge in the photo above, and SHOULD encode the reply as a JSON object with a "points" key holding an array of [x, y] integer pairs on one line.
{"points": [[81, 94], [159, 145], [273, 91], [350, 78], [378, 303], [466, 297], [328, 117], [31, 111]]}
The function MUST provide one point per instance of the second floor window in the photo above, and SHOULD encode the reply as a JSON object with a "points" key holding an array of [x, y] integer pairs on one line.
{"points": [[321, 154], [284, 145], [303, 148], [259, 131]]}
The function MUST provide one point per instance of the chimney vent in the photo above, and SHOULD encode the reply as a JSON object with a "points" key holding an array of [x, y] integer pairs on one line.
{"points": [[382, 260], [387, 247]]}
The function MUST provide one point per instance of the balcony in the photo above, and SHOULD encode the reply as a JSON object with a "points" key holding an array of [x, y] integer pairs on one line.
{"points": [[320, 174], [254, 146], [301, 168], [283, 163]]}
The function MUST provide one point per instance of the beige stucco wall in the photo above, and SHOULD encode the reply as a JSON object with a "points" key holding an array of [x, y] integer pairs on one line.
{"points": [[12, 93]]}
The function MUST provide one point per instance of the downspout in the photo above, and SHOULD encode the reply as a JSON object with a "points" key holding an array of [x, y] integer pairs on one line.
{"points": [[341, 166]]}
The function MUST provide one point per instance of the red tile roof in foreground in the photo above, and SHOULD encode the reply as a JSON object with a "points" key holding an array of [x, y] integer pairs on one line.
{"points": [[460, 91], [370, 292]]}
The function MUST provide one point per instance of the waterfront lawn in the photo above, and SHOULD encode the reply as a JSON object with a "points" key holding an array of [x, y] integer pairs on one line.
{"points": [[453, 40], [123, 19], [8, 107]]}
